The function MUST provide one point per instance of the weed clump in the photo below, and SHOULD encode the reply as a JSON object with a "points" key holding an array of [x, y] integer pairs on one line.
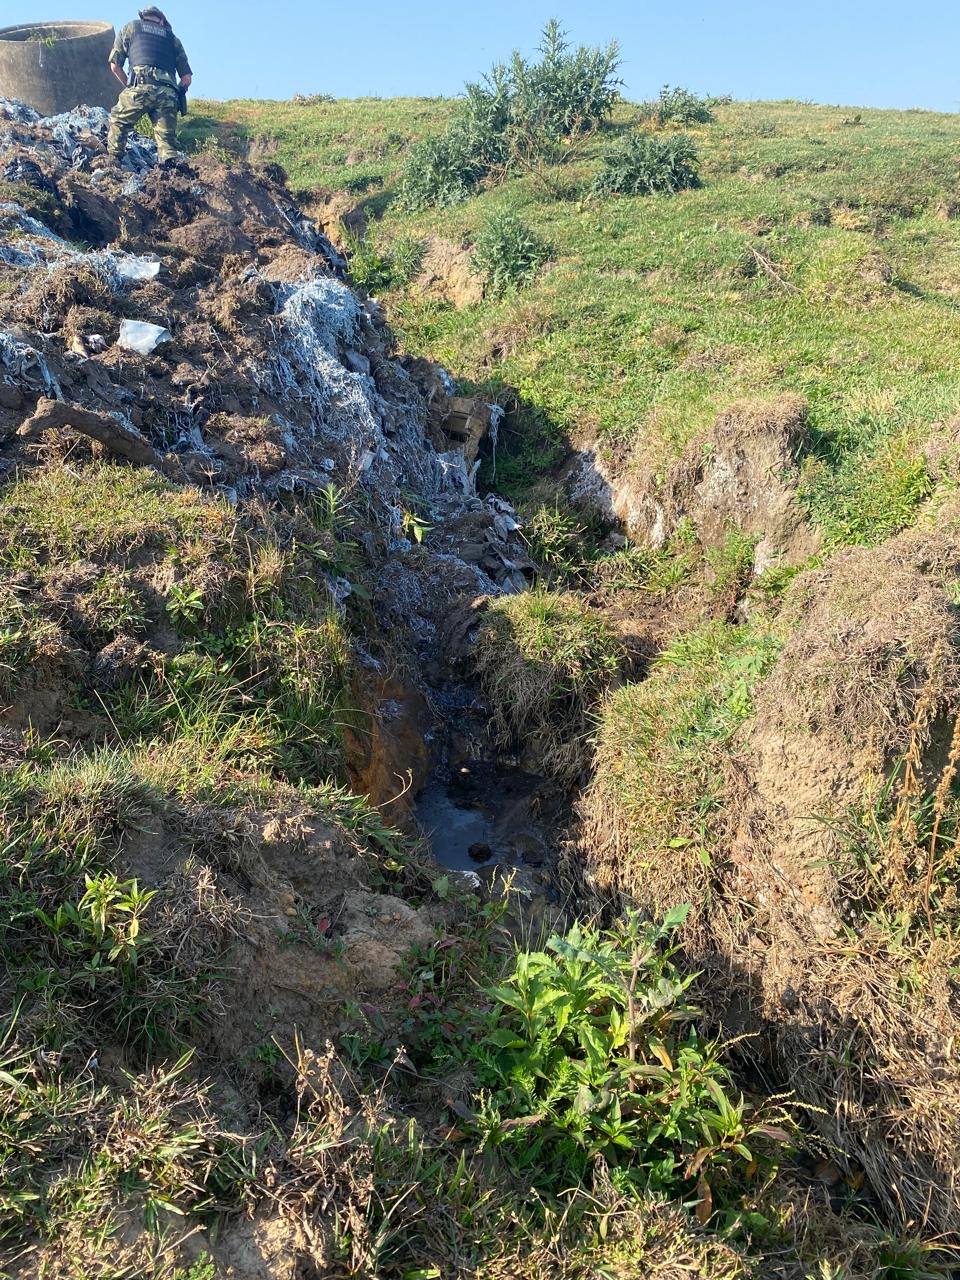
{"points": [[591, 1056], [508, 252], [645, 165], [679, 106], [558, 540], [865, 494], [77, 931], [521, 113], [390, 267]]}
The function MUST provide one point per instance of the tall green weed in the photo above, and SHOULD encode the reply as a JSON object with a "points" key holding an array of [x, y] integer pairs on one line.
{"points": [[644, 165], [520, 113]]}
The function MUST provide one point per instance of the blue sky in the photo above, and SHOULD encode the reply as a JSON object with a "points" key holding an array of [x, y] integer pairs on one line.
{"points": [[885, 53]]}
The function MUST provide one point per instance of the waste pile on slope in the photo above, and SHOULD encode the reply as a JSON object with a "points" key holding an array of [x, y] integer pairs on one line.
{"points": [[269, 375]]}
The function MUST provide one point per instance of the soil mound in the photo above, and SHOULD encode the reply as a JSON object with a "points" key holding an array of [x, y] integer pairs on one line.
{"points": [[741, 476], [210, 461], [447, 273]]}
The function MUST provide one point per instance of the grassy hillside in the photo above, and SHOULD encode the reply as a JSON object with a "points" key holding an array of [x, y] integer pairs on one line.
{"points": [[780, 757], [820, 255], [252, 1028]]}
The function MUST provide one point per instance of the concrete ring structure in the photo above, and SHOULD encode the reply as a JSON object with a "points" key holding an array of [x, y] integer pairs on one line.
{"points": [[56, 66]]}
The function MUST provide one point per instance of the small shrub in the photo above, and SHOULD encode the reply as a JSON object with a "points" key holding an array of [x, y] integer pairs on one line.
{"points": [[563, 95], [679, 106], [508, 252], [644, 165], [440, 171], [369, 267]]}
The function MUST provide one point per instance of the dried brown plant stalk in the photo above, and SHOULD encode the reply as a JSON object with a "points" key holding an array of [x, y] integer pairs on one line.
{"points": [[939, 808]]}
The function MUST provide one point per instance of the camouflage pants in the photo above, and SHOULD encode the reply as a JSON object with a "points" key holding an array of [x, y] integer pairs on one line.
{"points": [[159, 103]]}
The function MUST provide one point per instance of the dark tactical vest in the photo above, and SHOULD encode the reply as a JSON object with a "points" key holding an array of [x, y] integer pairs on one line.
{"points": [[153, 46]]}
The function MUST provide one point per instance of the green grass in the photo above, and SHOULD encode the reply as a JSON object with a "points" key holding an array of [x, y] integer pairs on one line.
{"points": [[658, 773], [258, 679], [850, 209], [69, 514]]}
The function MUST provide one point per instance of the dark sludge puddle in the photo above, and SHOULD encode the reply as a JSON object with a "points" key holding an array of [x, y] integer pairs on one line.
{"points": [[485, 816]]}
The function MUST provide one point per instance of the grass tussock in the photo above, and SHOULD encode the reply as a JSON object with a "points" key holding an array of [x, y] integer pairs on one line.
{"points": [[110, 561], [544, 660], [102, 508], [77, 928]]}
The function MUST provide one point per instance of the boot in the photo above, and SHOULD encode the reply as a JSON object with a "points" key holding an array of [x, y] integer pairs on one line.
{"points": [[177, 164]]}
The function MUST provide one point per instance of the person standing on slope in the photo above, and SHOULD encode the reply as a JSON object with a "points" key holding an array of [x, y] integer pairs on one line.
{"points": [[156, 58]]}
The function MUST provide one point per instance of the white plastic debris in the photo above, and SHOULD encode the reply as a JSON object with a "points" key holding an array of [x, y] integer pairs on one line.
{"points": [[38, 246], [141, 337], [23, 365], [497, 415], [13, 217], [132, 268], [18, 111], [318, 317]]}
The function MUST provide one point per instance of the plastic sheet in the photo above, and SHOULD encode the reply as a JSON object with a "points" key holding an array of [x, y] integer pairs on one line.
{"points": [[133, 268], [141, 337]]}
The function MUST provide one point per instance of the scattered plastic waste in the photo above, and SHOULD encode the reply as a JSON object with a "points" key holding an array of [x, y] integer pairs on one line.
{"points": [[25, 366], [27, 172], [114, 268], [141, 337], [316, 317], [455, 473], [308, 237], [352, 414], [19, 112], [11, 256], [497, 415], [67, 128], [13, 217]]}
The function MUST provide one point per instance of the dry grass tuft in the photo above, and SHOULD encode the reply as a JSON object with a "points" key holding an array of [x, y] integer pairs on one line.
{"points": [[819, 832], [870, 632]]}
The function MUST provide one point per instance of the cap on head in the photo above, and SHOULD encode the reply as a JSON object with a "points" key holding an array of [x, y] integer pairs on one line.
{"points": [[156, 14]]}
